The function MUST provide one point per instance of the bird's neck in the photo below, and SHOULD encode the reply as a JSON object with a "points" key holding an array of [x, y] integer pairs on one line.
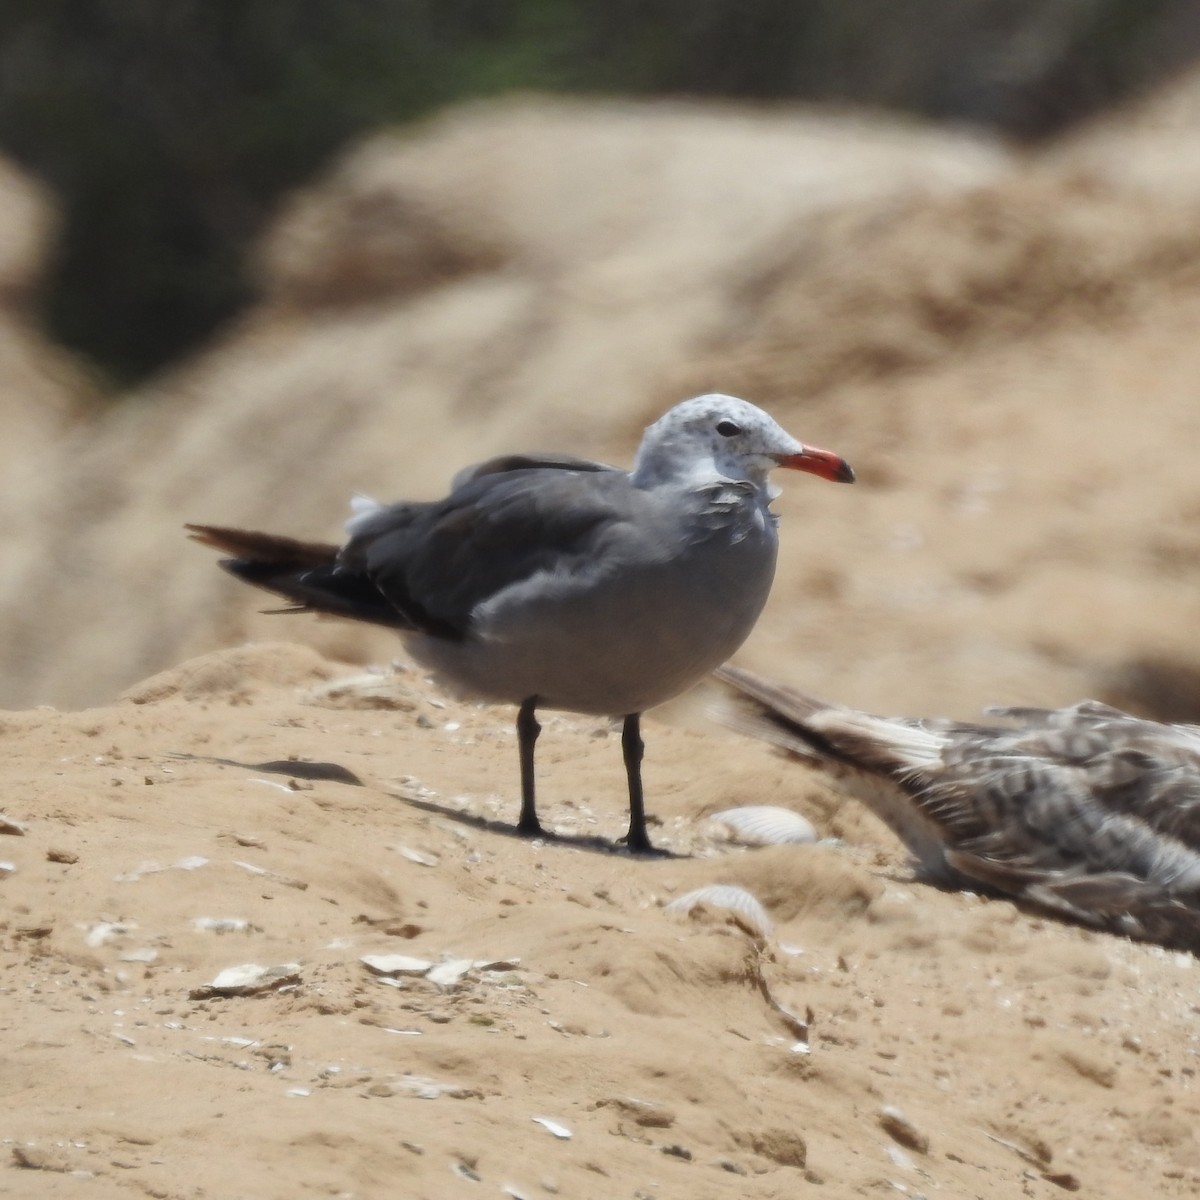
{"points": [[652, 470]]}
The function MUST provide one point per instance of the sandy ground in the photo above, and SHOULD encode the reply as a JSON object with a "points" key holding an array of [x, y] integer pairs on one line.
{"points": [[246, 808], [1006, 351]]}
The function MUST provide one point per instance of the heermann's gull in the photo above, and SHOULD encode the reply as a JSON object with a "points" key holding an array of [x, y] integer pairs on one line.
{"points": [[1086, 811], [545, 580]]}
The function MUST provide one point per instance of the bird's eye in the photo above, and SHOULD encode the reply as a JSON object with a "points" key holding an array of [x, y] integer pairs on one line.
{"points": [[728, 428]]}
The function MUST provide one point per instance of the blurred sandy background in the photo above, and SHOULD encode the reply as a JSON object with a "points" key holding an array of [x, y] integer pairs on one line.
{"points": [[1000, 337]]}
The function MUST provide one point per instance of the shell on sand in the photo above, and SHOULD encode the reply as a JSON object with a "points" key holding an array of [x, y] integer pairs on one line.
{"points": [[396, 964], [250, 977], [729, 903], [764, 825]]}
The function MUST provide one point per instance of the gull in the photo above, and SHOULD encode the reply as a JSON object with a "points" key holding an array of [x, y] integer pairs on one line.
{"points": [[548, 581], [1085, 811]]}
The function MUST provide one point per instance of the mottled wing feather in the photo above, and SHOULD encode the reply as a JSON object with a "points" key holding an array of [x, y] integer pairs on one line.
{"points": [[1086, 811]]}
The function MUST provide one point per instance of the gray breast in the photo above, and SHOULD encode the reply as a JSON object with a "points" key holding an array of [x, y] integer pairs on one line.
{"points": [[665, 599]]}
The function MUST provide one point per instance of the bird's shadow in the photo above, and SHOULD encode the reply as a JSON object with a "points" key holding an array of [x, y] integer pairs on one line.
{"points": [[575, 841], [330, 772], [327, 772]]}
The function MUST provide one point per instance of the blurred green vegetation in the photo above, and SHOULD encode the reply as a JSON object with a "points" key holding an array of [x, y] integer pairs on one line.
{"points": [[170, 128]]}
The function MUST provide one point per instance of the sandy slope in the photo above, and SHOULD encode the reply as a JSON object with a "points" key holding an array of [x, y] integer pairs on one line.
{"points": [[1006, 351], [1034, 1057]]}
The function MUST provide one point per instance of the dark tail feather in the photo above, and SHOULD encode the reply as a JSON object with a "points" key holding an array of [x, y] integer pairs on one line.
{"points": [[265, 547], [306, 573]]}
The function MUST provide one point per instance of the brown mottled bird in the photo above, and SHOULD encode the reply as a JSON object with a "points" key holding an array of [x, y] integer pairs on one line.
{"points": [[1085, 811]]}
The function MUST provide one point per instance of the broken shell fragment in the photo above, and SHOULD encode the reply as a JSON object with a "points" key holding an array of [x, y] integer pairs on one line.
{"points": [[726, 902], [559, 1131], [445, 974], [249, 978], [102, 932], [420, 857], [449, 973], [764, 825], [395, 964]]}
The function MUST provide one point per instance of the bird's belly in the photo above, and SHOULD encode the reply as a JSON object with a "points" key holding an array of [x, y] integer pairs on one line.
{"points": [[619, 645]]}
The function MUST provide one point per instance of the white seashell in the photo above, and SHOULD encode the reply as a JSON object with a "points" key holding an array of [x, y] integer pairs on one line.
{"points": [[7, 868], [103, 932], [417, 856], [559, 1131], [447, 974], [250, 977], [497, 964], [272, 783], [739, 905], [765, 825], [395, 964], [253, 868]]}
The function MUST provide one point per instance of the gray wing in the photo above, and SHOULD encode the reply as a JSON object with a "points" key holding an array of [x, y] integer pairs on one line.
{"points": [[506, 521], [504, 463]]}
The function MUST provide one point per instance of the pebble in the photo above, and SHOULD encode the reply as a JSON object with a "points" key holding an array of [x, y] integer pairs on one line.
{"points": [[647, 1113], [784, 1146], [898, 1127]]}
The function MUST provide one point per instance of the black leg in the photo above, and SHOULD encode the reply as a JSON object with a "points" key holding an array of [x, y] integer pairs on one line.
{"points": [[527, 736], [632, 747]]}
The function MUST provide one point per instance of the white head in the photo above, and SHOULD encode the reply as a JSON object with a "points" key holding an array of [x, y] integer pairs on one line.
{"points": [[715, 436]]}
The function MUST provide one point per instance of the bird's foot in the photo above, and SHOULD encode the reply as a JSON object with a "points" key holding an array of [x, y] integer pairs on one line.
{"points": [[531, 827], [642, 846]]}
